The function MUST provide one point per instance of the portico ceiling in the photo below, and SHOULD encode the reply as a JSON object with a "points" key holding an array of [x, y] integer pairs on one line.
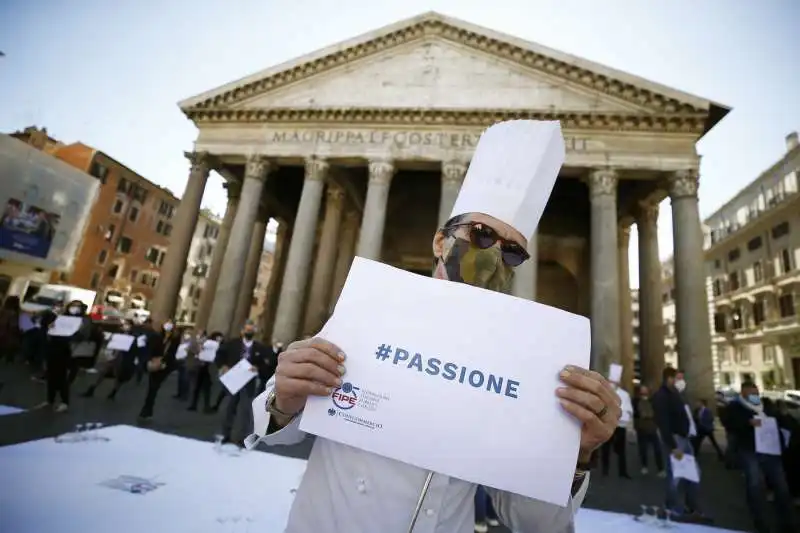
{"points": [[434, 69]]}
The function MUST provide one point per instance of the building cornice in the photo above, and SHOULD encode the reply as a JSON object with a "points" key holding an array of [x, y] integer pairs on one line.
{"points": [[426, 27], [667, 123]]}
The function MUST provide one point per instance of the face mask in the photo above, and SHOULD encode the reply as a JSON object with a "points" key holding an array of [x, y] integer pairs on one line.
{"points": [[680, 385], [167, 327], [74, 310], [754, 399], [466, 263], [187, 337], [249, 335]]}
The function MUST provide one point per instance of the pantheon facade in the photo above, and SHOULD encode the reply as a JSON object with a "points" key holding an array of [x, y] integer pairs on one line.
{"points": [[360, 149]]}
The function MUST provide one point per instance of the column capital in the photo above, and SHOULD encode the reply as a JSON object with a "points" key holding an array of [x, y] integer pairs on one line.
{"points": [[453, 172], [257, 167], [380, 171], [234, 189], [683, 183], [647, 214], [602, 182], [201, 162], [334, 196], [316, 168]]}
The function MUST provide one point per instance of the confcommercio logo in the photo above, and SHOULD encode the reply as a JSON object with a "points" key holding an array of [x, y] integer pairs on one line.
{"points": [[346, 396]]}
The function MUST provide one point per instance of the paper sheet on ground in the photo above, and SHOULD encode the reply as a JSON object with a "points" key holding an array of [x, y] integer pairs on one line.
{"points": [[65, 326], [685, 468], [209, 351], [497, 422], [238, 376], [767, 437], [120, 342]]}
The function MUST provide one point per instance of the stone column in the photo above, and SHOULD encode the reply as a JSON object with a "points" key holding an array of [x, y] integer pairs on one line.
{"points": [[233, 265], [322, 280], [605, 270], [282, 239], [209, 290], [370, 241], [625, 310], [290, 304], [347, 251], [452, 177], [524, 283], [691, 307], [651, 310], [183, 226], [245, 299]]}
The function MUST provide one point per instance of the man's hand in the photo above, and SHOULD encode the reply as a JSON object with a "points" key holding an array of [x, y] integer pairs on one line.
{"points": [[222, 370], [590, 398], [311, 367], [253, 369], [677, 453], [755, 422]]}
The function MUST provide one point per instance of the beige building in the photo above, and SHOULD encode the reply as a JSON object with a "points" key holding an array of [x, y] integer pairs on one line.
{"points": [[752, 263], [360, 148], [198, 264]]}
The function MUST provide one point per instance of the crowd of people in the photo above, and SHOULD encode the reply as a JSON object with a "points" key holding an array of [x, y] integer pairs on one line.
{"points": [[156, 353]]}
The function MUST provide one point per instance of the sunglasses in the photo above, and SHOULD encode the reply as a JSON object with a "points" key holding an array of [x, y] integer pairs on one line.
{"points": [[483, 237]]}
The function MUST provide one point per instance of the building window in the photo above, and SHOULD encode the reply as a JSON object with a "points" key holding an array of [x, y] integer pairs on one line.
{"points": [[716, 287], [123, 185], [768, 379], [113, 271], [769, 354], [167, 230], [166, 209], [110, 232], [134, 275], [786, 305], [717, 263], [124, 245], [99, 171], [758, 312], [736, 318], [133, 214], [743, 355], [733, 255], [153, 281], [733, 281], [719, 322], [95, 282], [758, 272], [726, 379], [101, 259], [118, 205], [747, 377], [786, 261], [754, 244], [780, 230]]}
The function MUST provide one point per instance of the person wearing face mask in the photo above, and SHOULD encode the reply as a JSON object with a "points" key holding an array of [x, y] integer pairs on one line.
{"points": [[485, 238], [58, 355], [158, 348], [119, 365], [262, 362], [202, 379], [745, 414], [676, 427], [644, 423], [185, 370]]}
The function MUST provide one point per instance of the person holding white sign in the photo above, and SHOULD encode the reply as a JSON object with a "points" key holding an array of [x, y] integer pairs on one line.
{"points": [[512, 173], [759, 447]]}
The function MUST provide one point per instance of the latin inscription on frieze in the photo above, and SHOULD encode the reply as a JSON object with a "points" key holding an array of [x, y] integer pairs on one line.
{"points": [[388, 138]]}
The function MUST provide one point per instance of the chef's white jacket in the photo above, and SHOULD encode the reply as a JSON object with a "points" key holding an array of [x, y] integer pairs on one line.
{"points": [[347, 489]]}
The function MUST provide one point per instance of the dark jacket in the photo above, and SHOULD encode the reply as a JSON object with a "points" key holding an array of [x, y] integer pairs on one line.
{"points": [[62, 346], [705, 420], [671, 416], [644, 419], [738, 418], [262, 357]]}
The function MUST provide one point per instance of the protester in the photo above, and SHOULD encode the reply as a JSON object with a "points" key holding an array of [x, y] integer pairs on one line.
{"points": [[676, 427], [118, 365], [644, 423], [10, 334], [619, 441], [202, 377], [480, 245], [745, 416], [485, 514], [159, 352], [704, 420], [791, 452]]}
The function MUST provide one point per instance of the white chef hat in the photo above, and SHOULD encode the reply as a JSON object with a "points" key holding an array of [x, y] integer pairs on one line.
{"points": [[512, 173]]}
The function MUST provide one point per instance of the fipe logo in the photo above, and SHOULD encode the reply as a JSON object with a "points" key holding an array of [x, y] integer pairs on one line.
{"points": [[345, 397]]}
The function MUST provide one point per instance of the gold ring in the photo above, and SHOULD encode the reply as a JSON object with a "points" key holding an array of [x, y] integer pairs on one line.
{"points": [[600, 414]]}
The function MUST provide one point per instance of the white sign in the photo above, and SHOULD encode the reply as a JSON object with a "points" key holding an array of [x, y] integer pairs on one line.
{"points": [[615, 373], [209, 352], [120, 342], [454, 379], [685, 468], [65, 326], [182, 352], [767, 437], [238, 376]]}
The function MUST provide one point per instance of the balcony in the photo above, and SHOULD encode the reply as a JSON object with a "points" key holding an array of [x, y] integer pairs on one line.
{"points": [[776, 327], [790, 278]]}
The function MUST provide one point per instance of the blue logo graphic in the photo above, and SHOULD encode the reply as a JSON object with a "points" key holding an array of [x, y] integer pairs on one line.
{"points": [[345, 397], [331, 411]]}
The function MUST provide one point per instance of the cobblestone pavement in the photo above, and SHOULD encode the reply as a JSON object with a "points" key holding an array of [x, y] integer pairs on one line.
{"points": [[722, 491]]}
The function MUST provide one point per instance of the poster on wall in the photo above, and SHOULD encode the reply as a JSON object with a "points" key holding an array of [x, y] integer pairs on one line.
{"points": [[27, 229]]}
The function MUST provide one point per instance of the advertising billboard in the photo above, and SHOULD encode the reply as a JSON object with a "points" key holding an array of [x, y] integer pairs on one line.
{"points": [[45, 206]]}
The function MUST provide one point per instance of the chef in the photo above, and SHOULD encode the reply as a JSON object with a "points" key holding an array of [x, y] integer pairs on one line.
{"points": [[504, 193]]}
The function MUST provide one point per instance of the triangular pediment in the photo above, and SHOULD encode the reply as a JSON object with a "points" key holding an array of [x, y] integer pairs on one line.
{"points": [[435, 73], [436, 62]]}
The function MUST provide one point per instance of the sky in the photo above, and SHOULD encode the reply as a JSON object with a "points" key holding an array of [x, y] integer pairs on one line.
{"points": [[110, 74]]}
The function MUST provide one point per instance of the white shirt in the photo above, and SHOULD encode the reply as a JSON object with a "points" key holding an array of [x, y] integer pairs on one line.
{"points": [[347, 489], [626, 406]]}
